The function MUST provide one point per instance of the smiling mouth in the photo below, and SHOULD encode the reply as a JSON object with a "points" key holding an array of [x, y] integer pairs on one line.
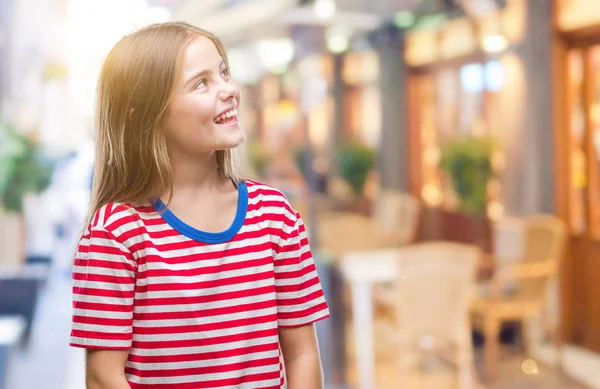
{"points": [[229, 117]]}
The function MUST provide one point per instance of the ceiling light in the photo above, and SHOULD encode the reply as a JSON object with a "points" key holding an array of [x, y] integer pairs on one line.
{"points": [[338, 39], [337, 44], [276, 54], [495, 43], [324, 9]]}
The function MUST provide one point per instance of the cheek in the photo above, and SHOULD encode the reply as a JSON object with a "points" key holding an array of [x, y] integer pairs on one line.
{"points": [[202, 109], [186, 121], [193, 111]]}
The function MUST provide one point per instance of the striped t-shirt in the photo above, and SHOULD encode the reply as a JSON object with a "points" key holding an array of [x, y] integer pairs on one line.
{"points": [[196, 309]]}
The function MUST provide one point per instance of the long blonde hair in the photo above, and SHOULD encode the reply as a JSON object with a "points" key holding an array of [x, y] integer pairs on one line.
{"points": [[134, 89]]}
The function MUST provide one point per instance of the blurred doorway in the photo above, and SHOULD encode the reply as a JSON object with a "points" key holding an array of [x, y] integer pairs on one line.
{"points": [[578, 147]]}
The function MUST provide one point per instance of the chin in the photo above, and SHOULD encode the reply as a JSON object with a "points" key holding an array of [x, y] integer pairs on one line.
{"points": [[234, 140]]}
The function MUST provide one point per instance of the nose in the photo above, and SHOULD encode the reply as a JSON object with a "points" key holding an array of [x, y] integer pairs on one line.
{"points": [[229, 90]]}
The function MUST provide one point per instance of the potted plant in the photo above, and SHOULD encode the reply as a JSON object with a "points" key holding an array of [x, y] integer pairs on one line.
{"points": [[355, 162], [468, 163], [24, 170]]}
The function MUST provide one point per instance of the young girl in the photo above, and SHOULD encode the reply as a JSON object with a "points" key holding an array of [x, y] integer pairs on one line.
{"points": [[187, 277]]}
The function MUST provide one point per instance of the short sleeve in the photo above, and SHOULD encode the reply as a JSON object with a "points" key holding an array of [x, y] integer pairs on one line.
{"points": [[103, 292], [300, 298]]}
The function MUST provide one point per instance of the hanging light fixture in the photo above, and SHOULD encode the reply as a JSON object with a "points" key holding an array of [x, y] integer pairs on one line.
{"points": [[494, 43], [276, 54], [493, 39], [324, 9], [337, 44], [337, 39]]}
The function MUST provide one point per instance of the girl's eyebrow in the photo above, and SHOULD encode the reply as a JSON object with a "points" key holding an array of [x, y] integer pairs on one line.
{"points": [[202, 73]]}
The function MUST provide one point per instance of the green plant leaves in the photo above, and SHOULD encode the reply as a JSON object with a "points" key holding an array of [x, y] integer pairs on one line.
{"points": [[23, 168], [467, 161], [354, 163]]}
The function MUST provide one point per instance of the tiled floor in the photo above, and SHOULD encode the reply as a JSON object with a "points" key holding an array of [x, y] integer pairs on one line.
{"points": [[49, 363], [442, 376], [43, 363], [512, 377], [581, 363]]}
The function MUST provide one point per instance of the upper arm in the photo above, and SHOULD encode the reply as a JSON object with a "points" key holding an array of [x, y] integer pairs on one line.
{"points": [[105, 368], [300, 298], [104, 279]]}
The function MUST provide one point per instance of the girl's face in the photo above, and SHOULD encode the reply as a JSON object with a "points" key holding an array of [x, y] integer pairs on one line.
{"points": [[202, 116]]}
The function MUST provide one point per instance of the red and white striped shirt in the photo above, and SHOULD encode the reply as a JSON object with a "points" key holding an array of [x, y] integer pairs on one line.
{"points": [[196, 309]]}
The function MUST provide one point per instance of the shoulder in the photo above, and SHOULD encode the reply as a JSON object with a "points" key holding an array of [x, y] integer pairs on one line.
{"points": [[272, 203], [259, 191], [268, 195], [118, 218], [260, 188], [104, 234]]}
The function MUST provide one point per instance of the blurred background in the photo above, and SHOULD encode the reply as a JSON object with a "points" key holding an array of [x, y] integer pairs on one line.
{"points": [[445, 155]]}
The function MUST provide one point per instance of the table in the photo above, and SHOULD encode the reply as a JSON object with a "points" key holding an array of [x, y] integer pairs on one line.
{"points": [[361, 270]]}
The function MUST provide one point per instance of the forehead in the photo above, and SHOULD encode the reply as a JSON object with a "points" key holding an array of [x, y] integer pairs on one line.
{"points": [[200, 54]]}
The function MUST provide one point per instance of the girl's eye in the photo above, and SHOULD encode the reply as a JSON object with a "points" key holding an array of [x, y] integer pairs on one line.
{"points": [[225, 72], [201, 84]]}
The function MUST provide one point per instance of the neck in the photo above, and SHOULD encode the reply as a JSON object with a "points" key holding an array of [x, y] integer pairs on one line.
{"points": [[191, 176]]}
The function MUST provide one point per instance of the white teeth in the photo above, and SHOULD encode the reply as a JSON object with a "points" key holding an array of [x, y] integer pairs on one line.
{"points": [[226, 115]]}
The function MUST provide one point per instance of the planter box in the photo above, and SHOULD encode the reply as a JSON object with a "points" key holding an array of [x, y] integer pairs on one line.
{"points": [[441, 224]]}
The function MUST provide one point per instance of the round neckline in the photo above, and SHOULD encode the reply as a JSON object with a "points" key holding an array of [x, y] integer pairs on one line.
{"points": [[204, 236]]}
